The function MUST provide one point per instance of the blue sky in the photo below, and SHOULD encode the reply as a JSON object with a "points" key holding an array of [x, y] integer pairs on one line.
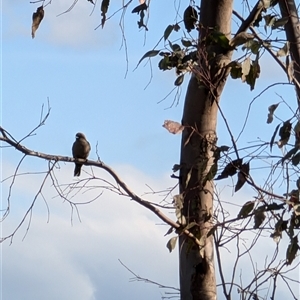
{"points": [[81, 71]]}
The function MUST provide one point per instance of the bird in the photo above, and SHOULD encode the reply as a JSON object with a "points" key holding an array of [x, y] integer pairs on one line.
{"points": [[81, 149]]}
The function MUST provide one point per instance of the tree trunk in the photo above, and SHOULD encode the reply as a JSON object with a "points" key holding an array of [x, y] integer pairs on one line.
{"points": [[197, 273], [292, 30]]}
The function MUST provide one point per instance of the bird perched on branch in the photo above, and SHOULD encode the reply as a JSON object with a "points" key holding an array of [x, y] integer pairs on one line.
{"points": [[81, 149]]}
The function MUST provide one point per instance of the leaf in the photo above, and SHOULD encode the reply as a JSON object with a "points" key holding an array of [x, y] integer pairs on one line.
{"points": [[178, 201], [176, 27], [253, 74], [173, 127], [169, 231], [279, 227], [252, 45], [242, 176], [296, 159], [139, 8], [259, 217], [224, 148], [292, 250], [190, 225], [176, 168], [269, 21], [297, 209], [284, 50], [178, 204], [104, 9], [220, 39], [246, 209], [297, 134], [91, 1], [230, 169], [148, 54], [284, 133], [280, 22], [174, 47], [190, 17], [273, 137], [246, 66], [236, 71], [271, 109], [186, 43], [179, 80], [172, 243], [241, 38], [37, 18], [289, 154], [168, 31]]}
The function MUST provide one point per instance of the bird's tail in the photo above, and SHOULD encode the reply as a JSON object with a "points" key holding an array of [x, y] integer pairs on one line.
{"points": [[77, 169]]}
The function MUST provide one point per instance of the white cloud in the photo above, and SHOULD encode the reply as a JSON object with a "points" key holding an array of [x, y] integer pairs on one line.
{"points": [[73, 29], [61, 260], [58, 260]]}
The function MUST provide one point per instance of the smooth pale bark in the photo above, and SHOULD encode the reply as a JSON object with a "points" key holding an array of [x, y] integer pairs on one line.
{"points": [[197, 273]]}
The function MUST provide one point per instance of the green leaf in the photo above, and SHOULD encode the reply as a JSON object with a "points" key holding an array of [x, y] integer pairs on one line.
{"points": [[236, 71], [221, 39], [148, 54], [241, 38], [246, 209], [174, 47], [186, 43], [179, 80], [172, 243], [259, 218], [168, 31]]}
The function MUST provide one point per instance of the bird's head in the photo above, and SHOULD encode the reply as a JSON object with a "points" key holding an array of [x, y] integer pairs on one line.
{"points": [[80, 135]]}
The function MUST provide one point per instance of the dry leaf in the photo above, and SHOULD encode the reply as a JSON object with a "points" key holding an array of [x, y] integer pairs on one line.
{"points": [[284, 51], [246, 66], [173, 127], [37, 18], [271, 109]]}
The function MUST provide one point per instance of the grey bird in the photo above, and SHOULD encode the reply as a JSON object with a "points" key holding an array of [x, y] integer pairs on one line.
{"points": [[81, 149]]}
